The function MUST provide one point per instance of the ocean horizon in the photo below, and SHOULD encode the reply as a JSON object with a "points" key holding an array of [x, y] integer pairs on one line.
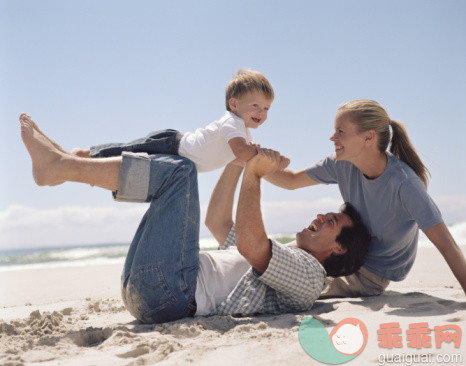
{"points": [[115, 253], [82, 255]]}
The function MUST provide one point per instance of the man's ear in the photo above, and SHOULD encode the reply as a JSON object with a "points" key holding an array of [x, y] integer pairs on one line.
{"points": [[232, 103], [339, 250]]}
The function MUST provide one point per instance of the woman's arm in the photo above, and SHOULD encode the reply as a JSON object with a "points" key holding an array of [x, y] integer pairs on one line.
{"points": [[289, 179], [441, 237], [220, 210]]}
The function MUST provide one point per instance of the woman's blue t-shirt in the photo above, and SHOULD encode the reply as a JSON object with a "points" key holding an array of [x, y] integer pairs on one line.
{"points": [[393, 206]]}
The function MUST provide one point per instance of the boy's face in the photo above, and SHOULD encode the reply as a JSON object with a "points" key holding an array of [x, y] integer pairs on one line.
{"points": [[252, 108]]}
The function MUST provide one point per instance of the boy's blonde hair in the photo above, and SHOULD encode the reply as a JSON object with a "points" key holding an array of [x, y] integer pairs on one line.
{"points": [[246, 81]]}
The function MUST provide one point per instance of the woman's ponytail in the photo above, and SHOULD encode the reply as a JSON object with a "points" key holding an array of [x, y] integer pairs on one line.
{"points": [[402, 148], [369, 115]]}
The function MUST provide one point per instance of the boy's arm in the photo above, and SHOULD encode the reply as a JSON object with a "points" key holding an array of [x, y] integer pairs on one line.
{"points": [[219, 212], [289, 179], [242, 149]]}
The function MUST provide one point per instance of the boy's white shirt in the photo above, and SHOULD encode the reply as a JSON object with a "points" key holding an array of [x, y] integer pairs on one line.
{"points": [[208, 147]]}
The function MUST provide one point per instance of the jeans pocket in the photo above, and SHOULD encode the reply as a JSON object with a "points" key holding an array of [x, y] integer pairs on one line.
{"points": [[147, 292]]}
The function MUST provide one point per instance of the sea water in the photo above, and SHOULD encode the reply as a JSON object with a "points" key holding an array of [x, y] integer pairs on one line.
{"points": [[99, 254], [84, 255]]}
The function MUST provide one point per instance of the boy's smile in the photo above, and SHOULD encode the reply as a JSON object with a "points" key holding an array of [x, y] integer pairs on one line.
{"points": [[252, 108]]}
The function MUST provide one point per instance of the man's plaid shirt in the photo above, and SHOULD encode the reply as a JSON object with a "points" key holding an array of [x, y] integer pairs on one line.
{"points": [[292, 282]]}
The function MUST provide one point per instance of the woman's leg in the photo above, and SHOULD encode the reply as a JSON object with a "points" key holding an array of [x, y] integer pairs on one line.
{"points": [[361, 283], [52, 165]]}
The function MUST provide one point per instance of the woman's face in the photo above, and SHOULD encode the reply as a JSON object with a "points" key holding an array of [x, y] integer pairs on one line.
{"points": [[349, 143]]}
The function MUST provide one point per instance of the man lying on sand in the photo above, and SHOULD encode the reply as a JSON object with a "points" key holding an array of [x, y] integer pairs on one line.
{"points": [[165, 278]]}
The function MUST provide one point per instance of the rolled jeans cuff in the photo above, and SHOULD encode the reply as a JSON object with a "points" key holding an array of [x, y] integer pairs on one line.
{"points": [[134, 178]]}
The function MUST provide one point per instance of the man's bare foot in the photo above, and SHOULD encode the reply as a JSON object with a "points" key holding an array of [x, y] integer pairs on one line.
{"points": [[46, 157], [82, 153], [26, 118]]}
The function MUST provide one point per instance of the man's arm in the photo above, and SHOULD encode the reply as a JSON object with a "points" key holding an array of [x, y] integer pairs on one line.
{"points": [[441, 237], [219, 212], [251, 238], [289, 179]]}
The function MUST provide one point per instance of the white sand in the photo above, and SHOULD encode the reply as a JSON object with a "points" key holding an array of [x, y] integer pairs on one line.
{"points": [[74, 316]]}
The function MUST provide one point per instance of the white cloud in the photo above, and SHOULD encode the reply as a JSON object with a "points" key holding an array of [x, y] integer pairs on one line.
{"points": [[453, 208], [22, 227], [458, 231], [293, 216]]}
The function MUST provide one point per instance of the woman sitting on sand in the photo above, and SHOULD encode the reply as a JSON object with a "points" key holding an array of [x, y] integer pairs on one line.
{"points": [[388, 189]]}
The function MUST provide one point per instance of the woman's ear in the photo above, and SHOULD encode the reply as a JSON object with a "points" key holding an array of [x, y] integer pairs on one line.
{"points": [[370, 137]]}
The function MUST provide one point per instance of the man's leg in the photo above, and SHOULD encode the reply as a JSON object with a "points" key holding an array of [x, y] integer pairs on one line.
{"points": [[26, 118], [160, 271], [51, 165], [157, 142]]}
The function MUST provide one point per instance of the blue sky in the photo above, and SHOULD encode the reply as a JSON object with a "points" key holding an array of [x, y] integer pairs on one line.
{"points": [[100, 71]]}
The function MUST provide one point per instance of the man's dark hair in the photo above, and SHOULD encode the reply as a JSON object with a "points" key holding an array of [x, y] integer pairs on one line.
{"points": [[355, 239]]}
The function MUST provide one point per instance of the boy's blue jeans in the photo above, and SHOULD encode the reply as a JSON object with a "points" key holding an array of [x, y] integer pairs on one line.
{"points": [[159, 277], [157, 142]]}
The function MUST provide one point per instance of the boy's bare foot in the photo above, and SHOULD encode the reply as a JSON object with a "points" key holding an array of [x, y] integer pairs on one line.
{"points": [[26, 118], [82, 153], [46, 157]]}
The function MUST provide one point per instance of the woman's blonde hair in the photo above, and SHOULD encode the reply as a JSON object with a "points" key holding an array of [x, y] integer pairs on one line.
{"points": [[246, 81], [369, 115]]}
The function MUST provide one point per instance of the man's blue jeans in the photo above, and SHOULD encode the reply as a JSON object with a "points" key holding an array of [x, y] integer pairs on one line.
{"points": [[160, 272]]}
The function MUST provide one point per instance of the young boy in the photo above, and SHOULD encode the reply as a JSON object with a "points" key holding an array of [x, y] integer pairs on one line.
{"points": [[248, 99]]}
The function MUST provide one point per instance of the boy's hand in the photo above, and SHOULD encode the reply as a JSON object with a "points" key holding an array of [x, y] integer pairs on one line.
{"points": [[255, 144], [284, 162], [265, 162]]}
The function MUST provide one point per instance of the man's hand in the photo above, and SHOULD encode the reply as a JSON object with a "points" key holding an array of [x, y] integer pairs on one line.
{"points": [[266, 161], [238, 162], [284, 162]]}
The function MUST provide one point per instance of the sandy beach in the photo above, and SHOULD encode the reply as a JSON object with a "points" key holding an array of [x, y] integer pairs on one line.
{"points": [[74, 316]]}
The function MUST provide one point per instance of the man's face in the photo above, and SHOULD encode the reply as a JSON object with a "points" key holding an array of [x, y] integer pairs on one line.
{"points": [[252, 108], [320, 235]]}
